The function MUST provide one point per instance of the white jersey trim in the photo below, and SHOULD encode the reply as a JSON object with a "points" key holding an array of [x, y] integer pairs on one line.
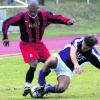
{"points": [[76, 41], [98, 57]]}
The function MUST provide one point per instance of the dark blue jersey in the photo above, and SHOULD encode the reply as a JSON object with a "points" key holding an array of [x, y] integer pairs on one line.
{"points": [[91, 56]]}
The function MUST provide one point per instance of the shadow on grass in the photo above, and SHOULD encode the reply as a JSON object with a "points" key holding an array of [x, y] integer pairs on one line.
{"points": [[61, 97]]}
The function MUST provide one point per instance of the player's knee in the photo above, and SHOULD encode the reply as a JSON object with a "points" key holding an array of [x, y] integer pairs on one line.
{"points": [[33, 63], [61, 89], [53, 62]]}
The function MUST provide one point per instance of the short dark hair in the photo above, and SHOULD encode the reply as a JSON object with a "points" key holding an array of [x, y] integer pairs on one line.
{"points": [[90, 40]]}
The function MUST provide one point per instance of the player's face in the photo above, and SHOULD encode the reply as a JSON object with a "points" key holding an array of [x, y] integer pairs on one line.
{"points": [[33, 10], [85, 48]]}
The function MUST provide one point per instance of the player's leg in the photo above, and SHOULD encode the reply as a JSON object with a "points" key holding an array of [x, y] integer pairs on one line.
{"points": [[44, 55], [31, 57], [63, 83], [64, 75], [50, 63], [29, 77]]}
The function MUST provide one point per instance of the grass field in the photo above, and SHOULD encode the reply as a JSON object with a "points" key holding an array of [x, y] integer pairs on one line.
{"points": [[82, 87], [12, 74], [86, 17]]}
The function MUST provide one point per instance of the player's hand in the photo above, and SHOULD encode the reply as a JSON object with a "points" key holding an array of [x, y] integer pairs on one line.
{"points": [[78, 69], [70, 22], [6, 43]]}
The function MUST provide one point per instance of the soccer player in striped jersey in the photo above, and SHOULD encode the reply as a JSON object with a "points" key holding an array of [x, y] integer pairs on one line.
{"points": [[67, 62], [32, 24]]}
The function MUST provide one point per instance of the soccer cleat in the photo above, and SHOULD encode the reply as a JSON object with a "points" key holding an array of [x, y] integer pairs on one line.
{"points": [[27, 90], [40, 92]]}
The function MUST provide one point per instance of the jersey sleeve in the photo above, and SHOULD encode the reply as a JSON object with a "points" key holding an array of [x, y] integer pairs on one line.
{"points": [[95, 58], [14, 21], [76, 42], [57, 19]]}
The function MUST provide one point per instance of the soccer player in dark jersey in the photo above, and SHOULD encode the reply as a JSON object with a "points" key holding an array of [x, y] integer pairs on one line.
{"points": [[67, 62], [32, 24]]}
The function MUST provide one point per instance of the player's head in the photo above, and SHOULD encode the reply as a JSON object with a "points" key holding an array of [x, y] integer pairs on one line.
{"points": [[89, 42], [33, 7]]}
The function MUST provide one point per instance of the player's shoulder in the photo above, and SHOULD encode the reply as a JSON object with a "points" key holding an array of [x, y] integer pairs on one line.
{"points": [[46, 11], [20, 13], [79, 39], [95, 51]]}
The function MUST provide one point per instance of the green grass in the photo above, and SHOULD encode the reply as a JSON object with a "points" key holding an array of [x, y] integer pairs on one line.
{"points": [[86, 17], [82, 87], [53, 33], [11, 37], [12, 77]]}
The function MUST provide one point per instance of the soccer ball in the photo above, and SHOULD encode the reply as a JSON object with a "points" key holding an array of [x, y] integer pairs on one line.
{"points": [[36, 92]]}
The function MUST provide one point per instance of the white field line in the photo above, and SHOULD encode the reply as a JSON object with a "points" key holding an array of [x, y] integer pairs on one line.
{"points": [[6, 55], [21, 2], [6, 7], [24, 5]]}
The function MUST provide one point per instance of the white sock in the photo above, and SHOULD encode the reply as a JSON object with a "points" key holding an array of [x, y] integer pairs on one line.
{"points": [[27, 84]]}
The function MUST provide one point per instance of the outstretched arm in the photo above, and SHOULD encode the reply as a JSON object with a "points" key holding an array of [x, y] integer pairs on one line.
{"points": [[58, 19], [94, 58], [10, 21], [73, 56]]}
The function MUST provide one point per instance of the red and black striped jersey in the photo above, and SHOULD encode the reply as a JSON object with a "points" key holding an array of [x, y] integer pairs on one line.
{"points": [[32, 29]]}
